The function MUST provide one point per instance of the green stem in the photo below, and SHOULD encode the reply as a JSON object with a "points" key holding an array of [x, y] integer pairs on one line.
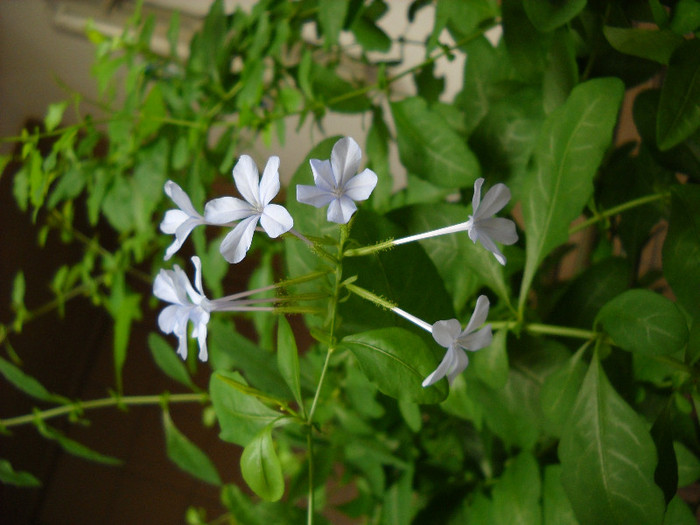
{"points": [[81, 406], [310, 448], [546, 329], [618, 209], [344, 232]]}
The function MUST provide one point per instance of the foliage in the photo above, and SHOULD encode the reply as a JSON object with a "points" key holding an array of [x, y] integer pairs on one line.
{"points": [[584, 407]]}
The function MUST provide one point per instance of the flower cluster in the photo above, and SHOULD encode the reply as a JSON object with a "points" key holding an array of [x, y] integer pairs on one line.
{"points": [[338, 185]]}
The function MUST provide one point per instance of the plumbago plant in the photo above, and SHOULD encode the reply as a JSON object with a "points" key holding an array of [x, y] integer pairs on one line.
{"points": [[578, 402]]}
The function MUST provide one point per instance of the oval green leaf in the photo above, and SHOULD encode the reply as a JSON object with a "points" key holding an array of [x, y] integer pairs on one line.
{"points": [[261, 467], [397, 361], [645, 322]]}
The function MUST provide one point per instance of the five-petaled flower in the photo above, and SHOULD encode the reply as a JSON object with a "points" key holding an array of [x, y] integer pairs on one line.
{"points": [[188, 304], [484, 227], [337, 183], [450, 335], [180, 222], [258, 193]]}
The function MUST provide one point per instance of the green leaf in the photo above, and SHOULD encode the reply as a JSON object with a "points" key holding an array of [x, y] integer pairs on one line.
{"points": [[261, 467], [679, 513], [569, 150], [331, 16], [656, 45], [681, 250], [559, 393], [589, 291], [517, 493], [124, 307], [168, 361], [547, 15], [490, 365], [335, 92], [686, 16], [561, 74], [241, 416], [187, 455], [556, 509], [230, 349], [645, 322], [608, 458], [73, 447], [370, 36], [19, 478], [54, 115], [429, 148], [397, 501], [288, 359], [526, 45], [397, 361], [688, 465], [377, 150], [69, 185], [27, 384], [679, 107]]}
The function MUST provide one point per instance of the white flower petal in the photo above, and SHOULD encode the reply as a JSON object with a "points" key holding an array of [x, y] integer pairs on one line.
{"points": [[360, 187], [476, 198], [487, 243], [164, 287], [236, 244], [202, 340], [498, 229], [172, 221], [494, 200], [172, 317], [345, 160], [461, 360], [446, 332], [245, 174], [227, 209], [314, 196], [270, 182], [323, 174], [477, 340], [276, 220], [446, 364], [180, 198], [481, 312]]}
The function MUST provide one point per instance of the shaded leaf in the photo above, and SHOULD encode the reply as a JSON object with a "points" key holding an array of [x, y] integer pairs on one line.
{"points": [[516, 495], [168, 361], [608, 458], [397, 361], [645, 322], [288, 359], [681, 251], [19, 478], [241, 416], [186, 455], [547, 15], [679, 106]]}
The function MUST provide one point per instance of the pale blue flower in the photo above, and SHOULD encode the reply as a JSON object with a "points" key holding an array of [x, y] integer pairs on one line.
{"points": [[188, 304], [450, 335], [256, 207], [179, 222], [337, 183]]}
